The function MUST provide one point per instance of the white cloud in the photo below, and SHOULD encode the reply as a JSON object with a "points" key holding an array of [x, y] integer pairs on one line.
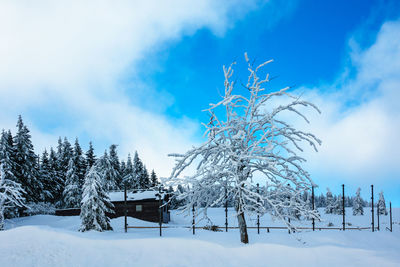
{"points": [[360, 122], [63, 60]]}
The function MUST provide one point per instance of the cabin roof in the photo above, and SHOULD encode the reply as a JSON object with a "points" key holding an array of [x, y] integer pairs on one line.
{"points": [[119, 195]]}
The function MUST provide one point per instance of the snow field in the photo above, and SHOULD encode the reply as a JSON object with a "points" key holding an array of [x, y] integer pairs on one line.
{"points": [[46, 240]]}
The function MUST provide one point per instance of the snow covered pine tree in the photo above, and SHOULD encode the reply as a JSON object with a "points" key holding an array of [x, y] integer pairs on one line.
{"points": [[358, 204], [382, 205], [10, 192], [329, 202], [251, 139], [95, 203], [72, 192]]}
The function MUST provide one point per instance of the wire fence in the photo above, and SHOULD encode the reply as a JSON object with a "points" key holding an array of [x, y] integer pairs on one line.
{"points": [[290, 229]]}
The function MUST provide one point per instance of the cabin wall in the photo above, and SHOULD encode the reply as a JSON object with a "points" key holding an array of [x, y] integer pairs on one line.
{"points": [[147, 210]]}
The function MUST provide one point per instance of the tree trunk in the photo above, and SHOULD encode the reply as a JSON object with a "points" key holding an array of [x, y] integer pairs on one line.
{"points": [[244, 238], [1, 215]]}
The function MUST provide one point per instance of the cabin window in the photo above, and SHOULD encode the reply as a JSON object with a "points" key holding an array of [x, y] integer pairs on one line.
{"points": [[139, 208]]}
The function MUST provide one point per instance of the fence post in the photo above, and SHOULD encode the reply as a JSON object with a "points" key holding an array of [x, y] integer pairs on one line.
{"points": [[372, 207], [391, 223], [159, 205], [258, 215], [193, 222], [226, 210], [313, 207], [344, 210], [125, 211], [289, 226]]}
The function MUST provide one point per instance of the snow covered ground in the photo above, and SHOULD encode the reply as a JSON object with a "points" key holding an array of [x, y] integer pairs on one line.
{"points": [[46, 240]]}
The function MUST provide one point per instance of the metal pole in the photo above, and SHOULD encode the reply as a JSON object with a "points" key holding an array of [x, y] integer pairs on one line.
{"points": [[160, 208], [258, 216], [193, 222], [289, 226], [226, 210], [391, 223], [125, 211], [313, 207], [344, 211], [372, 207]]}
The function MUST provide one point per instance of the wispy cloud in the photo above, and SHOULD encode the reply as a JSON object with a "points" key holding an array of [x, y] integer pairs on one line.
{"points": [[360, 122], [62, 63]]}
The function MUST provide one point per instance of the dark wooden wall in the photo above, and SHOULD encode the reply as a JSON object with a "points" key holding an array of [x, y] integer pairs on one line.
{"points": [[150, 210]]}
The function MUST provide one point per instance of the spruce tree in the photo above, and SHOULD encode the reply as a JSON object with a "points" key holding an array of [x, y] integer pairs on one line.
{"points": [[138, 172], [90, 156], [129, 177], [7, 155], [107, 171], [80, 162], [45, 178], [56, 178], [329, 202], [382, 205], [358, 208], [8, 163], [11, 193], [153, 179], [321, 201], [59, 165], [26, 172], [145, 179], [64, 154], [338, 206], [116, 166], [67, 153], [95, 203], [72, 191], [122, 173]]}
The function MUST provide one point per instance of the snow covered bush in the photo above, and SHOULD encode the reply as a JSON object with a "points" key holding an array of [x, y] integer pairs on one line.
{"points": [[358, 208], [248, 136], [40, 208], [95, 203]]}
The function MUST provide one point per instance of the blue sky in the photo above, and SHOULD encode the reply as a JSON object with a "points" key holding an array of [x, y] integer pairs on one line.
{"points": [[139, 74]]}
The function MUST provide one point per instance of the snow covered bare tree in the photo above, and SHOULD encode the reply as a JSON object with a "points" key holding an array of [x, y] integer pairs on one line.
{"points": [[95, 203], [11, 193], [248, 136], [358, 208]]}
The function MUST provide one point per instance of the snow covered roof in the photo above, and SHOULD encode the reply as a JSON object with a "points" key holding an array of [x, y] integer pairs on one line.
{"points": [[119, 195]]}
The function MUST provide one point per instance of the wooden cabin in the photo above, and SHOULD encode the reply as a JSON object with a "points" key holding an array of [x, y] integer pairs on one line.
{"points": [[143, 205]]}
